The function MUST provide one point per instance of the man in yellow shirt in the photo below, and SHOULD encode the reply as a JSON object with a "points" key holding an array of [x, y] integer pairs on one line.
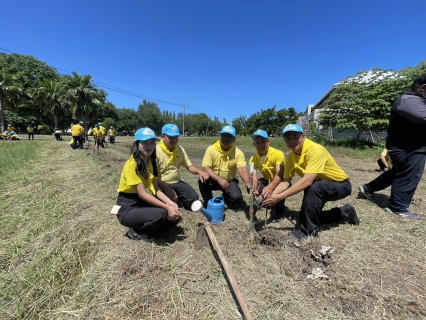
{"points": [[77, 132], [221, 161], [111, 133], [270, 163], [30, 131], [100, 135], [322, 180], [384, 161], [170, 158]]}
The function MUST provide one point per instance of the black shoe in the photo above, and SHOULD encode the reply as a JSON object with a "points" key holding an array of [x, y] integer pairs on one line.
{"points": [[277, 217], [298, 234], [349, 214], [138, 237]]}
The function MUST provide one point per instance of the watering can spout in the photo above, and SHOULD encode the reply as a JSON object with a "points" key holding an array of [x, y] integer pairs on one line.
{"points": [[207, 214]]}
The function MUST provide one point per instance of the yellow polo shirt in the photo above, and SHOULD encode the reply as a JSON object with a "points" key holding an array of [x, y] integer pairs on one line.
{"points": [[77, 130], [169, 173], [267, 164], [130, 179], [101, 131], [313, 159], [224, 168], [111, 132]]}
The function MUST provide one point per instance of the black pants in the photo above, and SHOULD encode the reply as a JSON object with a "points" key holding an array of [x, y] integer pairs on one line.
{"points": [[314, 199], [232, 195], [144, 218], [31, 134], [381, 165], [80, 141], [112, 139], [279, 206], [404, 177], [186, 194], [58, 137]]}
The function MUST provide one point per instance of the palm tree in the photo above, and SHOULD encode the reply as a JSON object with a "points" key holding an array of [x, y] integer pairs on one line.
{"points": [[10, 91], [51, 94], [86, 97]]}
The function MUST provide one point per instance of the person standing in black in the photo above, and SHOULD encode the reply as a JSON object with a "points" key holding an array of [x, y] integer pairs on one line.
{"points": [[406, 145]]}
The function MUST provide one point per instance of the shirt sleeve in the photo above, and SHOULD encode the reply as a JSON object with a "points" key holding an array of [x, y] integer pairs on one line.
{"points": [[413, 108]]}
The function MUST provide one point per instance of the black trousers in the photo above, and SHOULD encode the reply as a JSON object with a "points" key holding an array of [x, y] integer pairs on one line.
{"points": [[232, 195], [143, 218], [381, 165], [186, 194], [314, 199], [404, 177], [112, 139], [80, 141], [31, 134], [279, 206]]}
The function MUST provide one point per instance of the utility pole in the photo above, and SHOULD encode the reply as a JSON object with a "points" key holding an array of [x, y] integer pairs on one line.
{"points": [[183, 120]]}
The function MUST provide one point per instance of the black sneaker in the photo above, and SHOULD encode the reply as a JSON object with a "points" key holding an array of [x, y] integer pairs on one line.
{"points": [[137, 237], [298, 234], [277, 217], [364, 191], [406, 214], [349, 214]]}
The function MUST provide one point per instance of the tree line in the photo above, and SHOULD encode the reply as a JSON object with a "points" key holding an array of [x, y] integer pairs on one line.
{"points": [[32, 92]]}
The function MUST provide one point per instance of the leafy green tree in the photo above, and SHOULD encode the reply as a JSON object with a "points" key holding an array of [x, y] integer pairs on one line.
{"points": [[10, 91], [128, 121], [240, 124], [362, 102], [51, 95], [85, 97], [149, 115]]}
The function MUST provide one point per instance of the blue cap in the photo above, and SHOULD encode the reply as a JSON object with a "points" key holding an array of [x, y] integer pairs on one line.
{"points": [[5, 131], [81, 122], [9, 125], [260, 133], [111, 127], [11, 132], [145, 134], [171, 130], [229, 129], [99, 124], [292, 128]]}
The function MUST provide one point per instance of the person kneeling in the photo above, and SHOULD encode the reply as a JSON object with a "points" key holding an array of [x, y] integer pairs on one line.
{"points": [[322, 180], [144, 212]]}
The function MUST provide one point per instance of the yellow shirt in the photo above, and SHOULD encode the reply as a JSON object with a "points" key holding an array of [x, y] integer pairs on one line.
{"points": [[220, 165], [169, 173], [111, 132], [313, 159], [267, 164], [77, 130], [30, 129], [10, 129], [130, 179], [101, 131], [95, 131], [386, 155]]}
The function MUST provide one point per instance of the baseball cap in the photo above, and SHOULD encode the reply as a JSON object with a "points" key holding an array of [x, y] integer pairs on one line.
{"points": [[145, 134], [292, 128], [171, 130], [260, 133], [99, 124], [81, 122], [111, 127], [229, 129]]}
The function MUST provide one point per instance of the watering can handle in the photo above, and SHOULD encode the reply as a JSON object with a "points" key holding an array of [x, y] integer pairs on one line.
{"points": [[219, 197]]}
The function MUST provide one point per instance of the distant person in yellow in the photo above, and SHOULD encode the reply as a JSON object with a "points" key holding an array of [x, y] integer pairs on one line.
{"points": [[143, 207], [322, 180], [30, 131], [13, 136], [221, 161], [384, 161], [10, 128], [5, 135], [77, 132], [111, 133], [270, 163], [58, 134], [170, 158], [100, 135]]}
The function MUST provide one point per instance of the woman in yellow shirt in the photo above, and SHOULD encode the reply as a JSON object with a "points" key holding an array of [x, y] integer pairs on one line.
{"points": [[144, 208]]}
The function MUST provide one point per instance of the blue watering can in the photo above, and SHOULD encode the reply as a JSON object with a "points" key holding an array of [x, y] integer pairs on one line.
{"points": [[215, 211]]}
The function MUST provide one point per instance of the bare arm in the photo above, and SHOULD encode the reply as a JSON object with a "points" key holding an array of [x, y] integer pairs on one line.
{"points": [[383, 159], [194, 170], [244, 174], [268, 190], [284, 190], [222, 182], [161, 201]]}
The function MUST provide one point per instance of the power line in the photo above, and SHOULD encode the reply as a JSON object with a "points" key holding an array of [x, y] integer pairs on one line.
{"points": [[123, 91]]}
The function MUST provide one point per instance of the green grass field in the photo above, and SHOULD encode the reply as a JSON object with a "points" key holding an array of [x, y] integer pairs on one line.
{"points": [[64, 256]]}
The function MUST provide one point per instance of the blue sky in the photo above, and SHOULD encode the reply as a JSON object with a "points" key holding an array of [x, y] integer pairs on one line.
{"points": [[223, 58]]}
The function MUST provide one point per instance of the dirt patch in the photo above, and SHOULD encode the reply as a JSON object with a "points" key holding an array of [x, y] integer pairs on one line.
{"points": [[272, 238]]}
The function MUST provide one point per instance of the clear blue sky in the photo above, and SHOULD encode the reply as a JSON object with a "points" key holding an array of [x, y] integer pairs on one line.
{"points": [[223, 58]]}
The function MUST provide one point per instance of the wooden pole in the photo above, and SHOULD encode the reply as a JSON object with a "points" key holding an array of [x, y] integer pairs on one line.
{"points": [[228, 272], [251, 211]]}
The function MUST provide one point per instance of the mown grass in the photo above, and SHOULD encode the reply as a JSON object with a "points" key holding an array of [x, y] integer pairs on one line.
{"points": [[63, 256]]}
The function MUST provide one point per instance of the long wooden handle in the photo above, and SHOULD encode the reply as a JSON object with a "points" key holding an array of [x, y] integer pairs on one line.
{"points": [[228, 272]]}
